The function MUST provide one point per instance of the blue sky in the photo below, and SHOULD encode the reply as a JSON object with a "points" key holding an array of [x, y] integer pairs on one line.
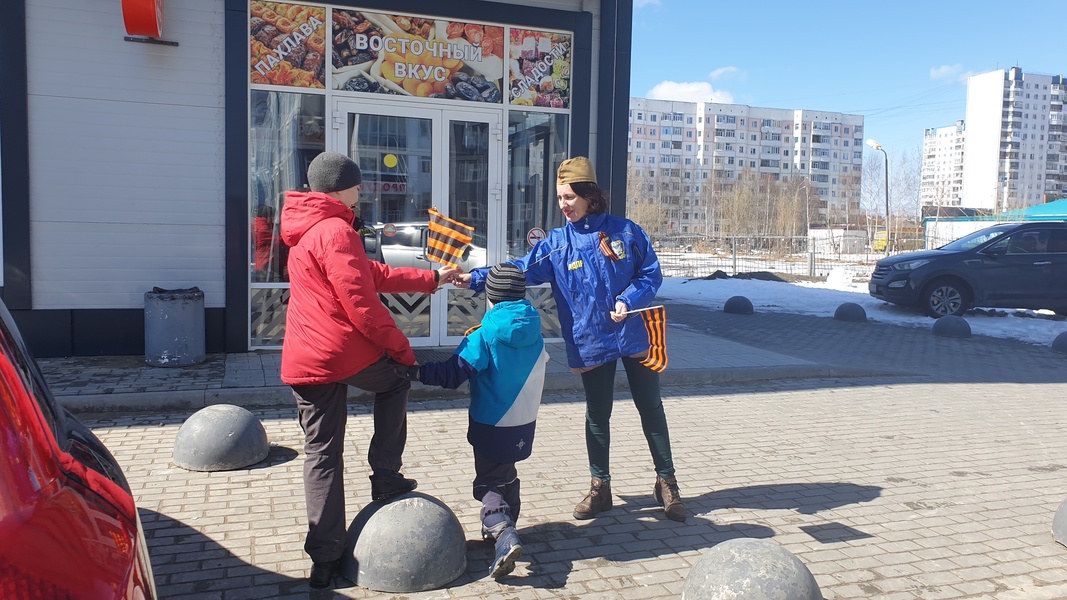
{"points": [[902, 65]]}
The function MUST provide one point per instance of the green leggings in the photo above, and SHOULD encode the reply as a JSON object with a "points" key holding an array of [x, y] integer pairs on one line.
{"points": [[599, 386]]}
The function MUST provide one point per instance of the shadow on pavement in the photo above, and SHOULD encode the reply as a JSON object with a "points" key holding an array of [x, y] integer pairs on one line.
{"points": [[553, 548], [187, 564]]}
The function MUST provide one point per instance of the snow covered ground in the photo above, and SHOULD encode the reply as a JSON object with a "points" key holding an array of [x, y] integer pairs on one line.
{"points": [[823, 298]]}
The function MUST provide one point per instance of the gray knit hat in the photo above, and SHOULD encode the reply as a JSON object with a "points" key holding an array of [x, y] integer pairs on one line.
{"points": [[505, 282], [333, 172]]}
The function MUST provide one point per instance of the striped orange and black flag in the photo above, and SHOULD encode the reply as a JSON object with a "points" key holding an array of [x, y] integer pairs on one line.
{"points": [[656, 325], [448, 240]]}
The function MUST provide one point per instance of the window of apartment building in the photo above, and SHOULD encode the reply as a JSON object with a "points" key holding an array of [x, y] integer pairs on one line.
{"points": [[638, 143], [651, 173], [651, 187], [640, 130], [785, 153], [689, 147], [640, 116], [729, 160], [652, 131], [651, 160], [752, 164], [688, 161], [802, 166], [689, 120], [753, 137], [742, 121], [652, 118], [667, 131], [846, 143], [637, 159], [689, 134], [652, 145], [846, 130], [677, 145]]}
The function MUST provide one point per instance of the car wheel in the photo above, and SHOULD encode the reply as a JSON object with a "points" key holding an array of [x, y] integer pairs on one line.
{"points": [[945, 297]]}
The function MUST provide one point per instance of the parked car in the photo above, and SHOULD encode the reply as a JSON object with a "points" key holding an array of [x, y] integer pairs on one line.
{"points": [[68, 524], [404, 245], [1015, 265]]}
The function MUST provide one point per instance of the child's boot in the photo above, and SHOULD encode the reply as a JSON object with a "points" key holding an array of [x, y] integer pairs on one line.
{"points": [[508, 550]]}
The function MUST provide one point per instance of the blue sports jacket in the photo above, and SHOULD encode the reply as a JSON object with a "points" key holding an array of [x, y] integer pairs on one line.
{"points": [[586, 283], [505, 360]]}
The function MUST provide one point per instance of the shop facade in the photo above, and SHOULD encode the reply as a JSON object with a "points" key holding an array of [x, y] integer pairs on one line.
{"points": [[162, 161]]}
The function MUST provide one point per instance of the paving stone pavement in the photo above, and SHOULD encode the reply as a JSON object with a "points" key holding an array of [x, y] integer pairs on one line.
{"points": [[893, 463]]}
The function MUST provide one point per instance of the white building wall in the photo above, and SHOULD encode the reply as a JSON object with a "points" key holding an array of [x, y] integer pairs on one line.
{"points": [[126, 152], [942, 167], [985, 100]]}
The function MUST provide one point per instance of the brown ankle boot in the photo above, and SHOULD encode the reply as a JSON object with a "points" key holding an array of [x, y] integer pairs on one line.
{"points": [[596, 501], [666, 493]]}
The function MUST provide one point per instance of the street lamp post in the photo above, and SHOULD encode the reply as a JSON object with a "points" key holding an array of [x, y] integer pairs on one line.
{"points": [[877, 146]]}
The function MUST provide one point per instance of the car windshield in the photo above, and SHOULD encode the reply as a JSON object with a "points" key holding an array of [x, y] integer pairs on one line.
{"points": [[975, 239]]}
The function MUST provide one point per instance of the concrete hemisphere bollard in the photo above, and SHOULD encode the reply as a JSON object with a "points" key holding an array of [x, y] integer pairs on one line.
{"points": [[850, 311], [221, 437], [412, 544], [1059, 524], [738, 305], [952, 326], [753, 569], [1060, 343]]}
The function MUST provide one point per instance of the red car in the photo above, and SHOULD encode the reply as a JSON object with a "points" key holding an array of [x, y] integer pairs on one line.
{"points": [[68, 524]]}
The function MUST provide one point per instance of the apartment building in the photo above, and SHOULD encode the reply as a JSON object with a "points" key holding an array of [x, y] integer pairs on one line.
{"points": [[1016, 144], [700, 149], [942, 167]]}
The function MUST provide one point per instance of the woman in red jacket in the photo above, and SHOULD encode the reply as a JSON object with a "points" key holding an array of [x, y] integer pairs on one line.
{"points": [[339, 334]]}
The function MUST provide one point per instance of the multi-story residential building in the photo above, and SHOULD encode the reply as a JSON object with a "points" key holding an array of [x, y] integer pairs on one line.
{"points": [[1016, 146], [942, 167], [695, 148]]}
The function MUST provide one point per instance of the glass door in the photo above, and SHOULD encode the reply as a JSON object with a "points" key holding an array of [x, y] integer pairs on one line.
{"points": [[415, 158]]}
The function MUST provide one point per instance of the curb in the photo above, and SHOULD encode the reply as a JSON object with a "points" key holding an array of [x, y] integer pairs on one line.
{"points": [[282, 396]]}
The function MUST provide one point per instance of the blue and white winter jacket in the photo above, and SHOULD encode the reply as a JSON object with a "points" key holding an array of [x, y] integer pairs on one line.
{"points": [[586, 284], [505, 360]]}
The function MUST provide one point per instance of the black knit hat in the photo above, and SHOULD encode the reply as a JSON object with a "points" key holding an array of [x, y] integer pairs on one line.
{"points": [[333, 172], [505, 282]]}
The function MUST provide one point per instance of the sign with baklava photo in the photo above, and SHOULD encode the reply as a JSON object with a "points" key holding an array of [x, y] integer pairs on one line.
{"points": [[288, 44]]}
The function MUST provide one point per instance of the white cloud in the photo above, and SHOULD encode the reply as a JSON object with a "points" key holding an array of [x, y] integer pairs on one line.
{"points": [[945, 72], [643, 3], [717, 73], [695, 91]]}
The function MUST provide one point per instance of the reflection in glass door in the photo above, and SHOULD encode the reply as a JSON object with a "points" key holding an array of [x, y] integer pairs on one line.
{"points": [[414, 159], [469, 203]]}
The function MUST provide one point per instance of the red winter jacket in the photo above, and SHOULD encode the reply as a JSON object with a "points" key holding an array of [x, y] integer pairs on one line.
{"points": [[335, 324]]}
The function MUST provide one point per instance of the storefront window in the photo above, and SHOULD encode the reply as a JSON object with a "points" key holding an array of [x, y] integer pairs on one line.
{"points": [[285, 133], [537, 144]]}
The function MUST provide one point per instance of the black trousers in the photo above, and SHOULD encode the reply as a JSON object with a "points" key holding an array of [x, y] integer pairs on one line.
{"points": [[323, 413], [496, 485], [599, 386]]}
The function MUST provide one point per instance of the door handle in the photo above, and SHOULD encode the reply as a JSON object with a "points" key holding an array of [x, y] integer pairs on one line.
{"points": [[1042, 263]]}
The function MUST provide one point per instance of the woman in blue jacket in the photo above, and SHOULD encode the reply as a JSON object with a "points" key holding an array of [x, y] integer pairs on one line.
{"points": [[600, 266]]}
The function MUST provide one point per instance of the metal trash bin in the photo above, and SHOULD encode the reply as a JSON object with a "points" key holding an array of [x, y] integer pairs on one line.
{"points": [[174, 327]]}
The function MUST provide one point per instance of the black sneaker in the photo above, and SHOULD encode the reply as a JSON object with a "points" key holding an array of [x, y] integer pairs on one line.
{"points": [[385, 487], [323, 573]]}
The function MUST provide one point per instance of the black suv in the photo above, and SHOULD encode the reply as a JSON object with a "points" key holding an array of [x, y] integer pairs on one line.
{"points": [[1015, 265]]}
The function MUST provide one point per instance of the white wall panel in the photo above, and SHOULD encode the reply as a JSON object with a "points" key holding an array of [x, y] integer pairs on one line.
{"points": [[126, 154]]}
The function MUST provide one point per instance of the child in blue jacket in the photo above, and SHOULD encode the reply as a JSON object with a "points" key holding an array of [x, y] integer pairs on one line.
{"points": [[504, 358]]}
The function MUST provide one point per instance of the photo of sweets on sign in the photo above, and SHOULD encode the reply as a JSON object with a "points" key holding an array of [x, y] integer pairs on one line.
{"points": [[288, 44], [540, 68], [414, 56]]}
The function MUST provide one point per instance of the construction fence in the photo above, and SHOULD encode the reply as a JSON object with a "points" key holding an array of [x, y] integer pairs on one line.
{"points": [[797, 256]]}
